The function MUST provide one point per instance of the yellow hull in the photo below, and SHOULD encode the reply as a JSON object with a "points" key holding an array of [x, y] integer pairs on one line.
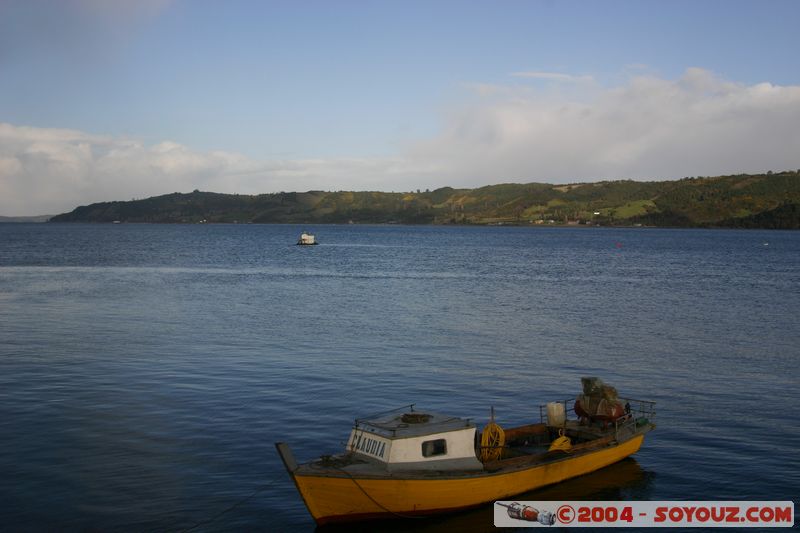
{"points": [[331, 499]]}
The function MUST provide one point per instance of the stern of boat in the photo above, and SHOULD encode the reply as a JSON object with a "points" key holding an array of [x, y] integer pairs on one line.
{"points": [[638, 419]]}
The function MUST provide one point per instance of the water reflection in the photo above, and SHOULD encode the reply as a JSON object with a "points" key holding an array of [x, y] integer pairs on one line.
{"points": [[625, 480], [146, 370]]}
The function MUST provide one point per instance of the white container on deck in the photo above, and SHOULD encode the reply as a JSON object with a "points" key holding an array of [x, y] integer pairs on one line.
{"points": [[555, 414]]}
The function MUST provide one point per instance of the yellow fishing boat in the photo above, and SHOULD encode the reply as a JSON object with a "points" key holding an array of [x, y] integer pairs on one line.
{"points": [[408, 462]]}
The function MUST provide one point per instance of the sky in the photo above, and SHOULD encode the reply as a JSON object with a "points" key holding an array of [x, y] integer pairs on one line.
{"points": [[106, 100]]}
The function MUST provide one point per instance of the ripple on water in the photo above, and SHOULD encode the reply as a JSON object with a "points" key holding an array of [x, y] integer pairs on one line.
{"points": [[145, 371]]}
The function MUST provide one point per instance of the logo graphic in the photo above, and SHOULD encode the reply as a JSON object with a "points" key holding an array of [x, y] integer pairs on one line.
{"points": [[527, 513], [653, 513]]}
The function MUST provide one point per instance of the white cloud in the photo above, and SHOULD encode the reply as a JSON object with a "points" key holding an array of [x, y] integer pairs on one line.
{"points": [[553, 76], [646, 128], [47, 170]]}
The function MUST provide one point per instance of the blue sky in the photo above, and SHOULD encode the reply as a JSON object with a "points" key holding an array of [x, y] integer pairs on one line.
{"points": [[103, 100]]}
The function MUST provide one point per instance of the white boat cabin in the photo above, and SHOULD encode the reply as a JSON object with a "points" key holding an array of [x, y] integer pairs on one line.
{"points": [[307, 238], [416, 441]]}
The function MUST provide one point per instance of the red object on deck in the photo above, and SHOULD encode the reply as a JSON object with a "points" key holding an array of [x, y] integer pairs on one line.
{"points": [[611, 411]]}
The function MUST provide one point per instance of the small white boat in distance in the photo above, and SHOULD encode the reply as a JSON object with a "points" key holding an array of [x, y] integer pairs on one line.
{"points": [[306, 239]]}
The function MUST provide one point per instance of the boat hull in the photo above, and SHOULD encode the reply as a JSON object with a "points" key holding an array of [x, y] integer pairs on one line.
{"points": [[346, 498]]}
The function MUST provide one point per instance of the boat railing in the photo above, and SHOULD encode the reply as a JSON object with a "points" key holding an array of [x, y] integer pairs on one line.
{"points": [[410, 417], [638, 413], [641, 408], [369, 419]]}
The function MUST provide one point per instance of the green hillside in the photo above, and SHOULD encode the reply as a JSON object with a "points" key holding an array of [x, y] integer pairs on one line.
{"points": [[769, 200]]}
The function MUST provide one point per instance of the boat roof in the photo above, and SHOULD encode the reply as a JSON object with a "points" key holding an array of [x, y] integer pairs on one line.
{"points": [[412, 423]]}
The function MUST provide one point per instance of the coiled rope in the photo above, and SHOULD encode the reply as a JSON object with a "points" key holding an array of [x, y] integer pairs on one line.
{"points": [[493, 438], [562, 443]]}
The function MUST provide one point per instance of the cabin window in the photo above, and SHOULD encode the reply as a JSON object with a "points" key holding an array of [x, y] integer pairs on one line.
{"points": [[432, 448]]}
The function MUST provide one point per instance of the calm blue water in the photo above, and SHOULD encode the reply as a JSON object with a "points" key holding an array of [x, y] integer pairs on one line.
{"points": [[147, 370]]}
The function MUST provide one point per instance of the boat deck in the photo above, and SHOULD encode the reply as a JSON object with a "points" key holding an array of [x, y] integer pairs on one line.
{"points": [[585, 432], [526, 446]]}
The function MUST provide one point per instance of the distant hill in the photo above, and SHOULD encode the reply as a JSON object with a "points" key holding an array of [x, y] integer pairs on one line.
{"points": [[769, 200], [39, 218]]}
